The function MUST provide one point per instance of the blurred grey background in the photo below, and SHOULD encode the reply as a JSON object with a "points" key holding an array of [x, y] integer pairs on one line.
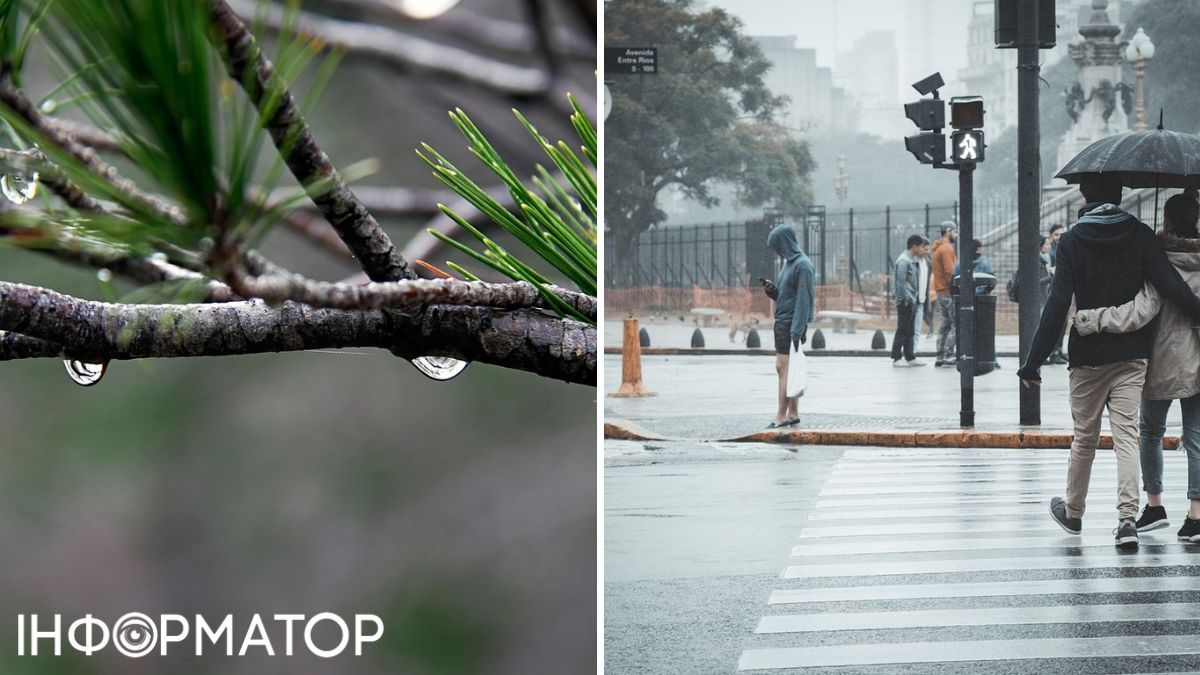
{"points": [[462, 513]]}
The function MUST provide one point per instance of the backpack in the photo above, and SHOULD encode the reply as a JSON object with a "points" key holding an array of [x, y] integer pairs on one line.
{"points": [[1012, 289]]}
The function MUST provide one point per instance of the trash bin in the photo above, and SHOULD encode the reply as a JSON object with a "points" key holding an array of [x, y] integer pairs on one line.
{"points": [[985, 322]]}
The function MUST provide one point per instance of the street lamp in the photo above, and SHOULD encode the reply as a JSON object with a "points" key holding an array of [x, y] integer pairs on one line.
{"points": [[1139, 51]]}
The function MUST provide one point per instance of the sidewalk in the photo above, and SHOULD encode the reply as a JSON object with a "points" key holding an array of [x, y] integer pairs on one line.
{"points": [[849, 401]]}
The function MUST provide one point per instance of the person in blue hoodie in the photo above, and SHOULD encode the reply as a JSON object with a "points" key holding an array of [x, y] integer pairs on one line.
{"points": [[1102, 262], [793, 293]]}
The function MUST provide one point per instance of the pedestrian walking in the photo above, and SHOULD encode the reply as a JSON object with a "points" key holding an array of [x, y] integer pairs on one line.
{"points": [[1056, 232], [923, 291], [1102, 262], [982, 264], [1174, 369], [793, 293], [945, 258], [911, 286]]}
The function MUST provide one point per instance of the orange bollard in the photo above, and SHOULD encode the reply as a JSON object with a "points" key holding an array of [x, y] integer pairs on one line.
{"points": [[631, 363]]}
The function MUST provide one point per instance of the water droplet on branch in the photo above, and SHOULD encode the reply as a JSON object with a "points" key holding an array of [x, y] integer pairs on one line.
{"points": [[439, 368], [19, 188], [104, 274], [84, 373]]}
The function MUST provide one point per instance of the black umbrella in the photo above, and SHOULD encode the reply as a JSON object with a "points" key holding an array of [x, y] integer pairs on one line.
{"points": [[1141, 159]]}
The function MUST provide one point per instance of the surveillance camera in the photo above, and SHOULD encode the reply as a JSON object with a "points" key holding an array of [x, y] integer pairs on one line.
{"points": [[929, 84]]}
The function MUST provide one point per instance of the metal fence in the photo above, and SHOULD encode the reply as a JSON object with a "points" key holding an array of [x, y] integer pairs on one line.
{"points": [[853, 247]]}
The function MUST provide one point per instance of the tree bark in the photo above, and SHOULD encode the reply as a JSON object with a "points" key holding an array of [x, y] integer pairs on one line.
{"points": [[42, 323]]}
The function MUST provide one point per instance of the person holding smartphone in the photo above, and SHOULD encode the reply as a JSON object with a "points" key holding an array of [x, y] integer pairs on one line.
{"points": [[795, 304]]}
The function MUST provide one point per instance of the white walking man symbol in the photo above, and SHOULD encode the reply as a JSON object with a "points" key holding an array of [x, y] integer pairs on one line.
{"points": [[967, 148]]}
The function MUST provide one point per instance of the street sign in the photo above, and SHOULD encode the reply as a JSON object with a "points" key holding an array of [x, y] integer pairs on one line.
{"points": [[968, 146], [630, 60], [1005, 13]]}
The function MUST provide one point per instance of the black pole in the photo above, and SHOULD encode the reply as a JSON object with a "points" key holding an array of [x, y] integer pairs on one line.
{"points": [[824, 258], [966, 293], [1029, 195], [852, 272]]}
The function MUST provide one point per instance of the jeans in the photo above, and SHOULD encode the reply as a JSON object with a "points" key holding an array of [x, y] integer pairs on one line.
{"points": [[1152, 425], [919, 320], [945, 343], [903, 340]]}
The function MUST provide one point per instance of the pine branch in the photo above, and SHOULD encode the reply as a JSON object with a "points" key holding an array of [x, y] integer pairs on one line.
{"points": [[526, 340], [310, 165], [59, 136], [424, 245]]}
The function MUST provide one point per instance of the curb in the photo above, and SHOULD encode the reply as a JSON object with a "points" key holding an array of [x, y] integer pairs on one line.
{"points": [[626, 431], [682, 351]]}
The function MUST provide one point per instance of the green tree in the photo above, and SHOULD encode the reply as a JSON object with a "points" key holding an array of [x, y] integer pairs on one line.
{"points": [[704, 118]]}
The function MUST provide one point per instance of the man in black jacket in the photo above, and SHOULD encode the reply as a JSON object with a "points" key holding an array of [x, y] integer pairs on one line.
{"points": [[1102, 261]]}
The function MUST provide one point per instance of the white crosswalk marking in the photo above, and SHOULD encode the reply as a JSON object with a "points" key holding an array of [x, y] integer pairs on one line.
{"points": [[946, 556]]}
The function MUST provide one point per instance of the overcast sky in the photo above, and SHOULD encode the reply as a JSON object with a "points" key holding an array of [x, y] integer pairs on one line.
{"points": [[814, 21]]}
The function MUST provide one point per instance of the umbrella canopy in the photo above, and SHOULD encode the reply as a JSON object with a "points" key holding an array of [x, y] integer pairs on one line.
{"points": [[1141, 159]]}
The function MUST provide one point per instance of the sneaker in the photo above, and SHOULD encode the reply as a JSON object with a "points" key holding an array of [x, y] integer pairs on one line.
{"points": [[916, 362], [1190, 530], [899, 363], [1058, 511], [1153, 517], [1127, 536], [939, 363]]}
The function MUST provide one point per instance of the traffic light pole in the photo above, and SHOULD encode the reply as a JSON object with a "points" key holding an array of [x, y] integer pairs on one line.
{"points": [[966, 292], [1029, 197]]}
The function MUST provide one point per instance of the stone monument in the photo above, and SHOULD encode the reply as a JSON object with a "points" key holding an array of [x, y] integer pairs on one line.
{"points": [[1099, 103]]}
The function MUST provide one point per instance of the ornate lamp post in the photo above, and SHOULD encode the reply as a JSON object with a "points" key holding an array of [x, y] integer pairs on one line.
{"points": [[1138, 52]]}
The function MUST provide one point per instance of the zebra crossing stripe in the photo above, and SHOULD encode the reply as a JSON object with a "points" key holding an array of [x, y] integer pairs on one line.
{"points": [[856, 517], [898, 568], [1036, 525], [973, 650], [979, 616], [891, 501], [1063, 541], [1007, 485], [983, 589]]}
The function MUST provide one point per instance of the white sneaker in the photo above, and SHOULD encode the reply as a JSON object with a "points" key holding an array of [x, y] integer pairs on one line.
{"points": [[899, 363], [916, 362]]}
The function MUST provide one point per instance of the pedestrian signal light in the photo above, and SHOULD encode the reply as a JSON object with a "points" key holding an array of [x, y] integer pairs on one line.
{"points": [[966, 112], [967, 146], [928, 148]]}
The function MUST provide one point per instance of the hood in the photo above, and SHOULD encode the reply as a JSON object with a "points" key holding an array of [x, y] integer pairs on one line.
{"points": [[940, 243], [1104, 228], [783, 241], [1183, 253]]}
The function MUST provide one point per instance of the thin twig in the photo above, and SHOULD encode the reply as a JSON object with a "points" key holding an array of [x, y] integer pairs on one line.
{"points": [[261, 279], [309, 164], [527, 340], [410, 52]]}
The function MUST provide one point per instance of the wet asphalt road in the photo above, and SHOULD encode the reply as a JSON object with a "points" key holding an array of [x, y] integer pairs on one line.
{"points": [[720, 556]]}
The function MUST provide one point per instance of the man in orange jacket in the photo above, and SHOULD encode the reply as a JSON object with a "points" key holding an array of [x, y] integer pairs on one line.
{"points": [[944, 259]]}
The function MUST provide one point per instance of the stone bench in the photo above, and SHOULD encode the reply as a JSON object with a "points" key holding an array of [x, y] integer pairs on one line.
{"points": [[849, 319]]}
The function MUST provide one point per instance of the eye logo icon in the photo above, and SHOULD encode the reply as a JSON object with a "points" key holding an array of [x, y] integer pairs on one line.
{"points": [[135, 635]]}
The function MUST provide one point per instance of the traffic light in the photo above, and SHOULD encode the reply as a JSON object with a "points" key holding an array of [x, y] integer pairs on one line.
{"points": [[967, 146], [966, 112], [966, 116], [928, 148], [929, 114]]}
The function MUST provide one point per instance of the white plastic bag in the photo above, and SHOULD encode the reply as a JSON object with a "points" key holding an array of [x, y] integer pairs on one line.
{"points": [[797, 377]]}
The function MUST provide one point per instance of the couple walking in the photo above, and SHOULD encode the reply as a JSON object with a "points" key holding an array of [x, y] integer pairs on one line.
{"points": [[1133, 349]]}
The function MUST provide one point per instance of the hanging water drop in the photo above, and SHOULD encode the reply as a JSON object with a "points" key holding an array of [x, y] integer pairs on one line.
{"points": [[424, 9], [439, 368], [19, 188], [104, 274], [83, 373]]}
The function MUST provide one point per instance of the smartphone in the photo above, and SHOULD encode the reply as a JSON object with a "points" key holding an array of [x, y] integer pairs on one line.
{"points": [[762, 280]]}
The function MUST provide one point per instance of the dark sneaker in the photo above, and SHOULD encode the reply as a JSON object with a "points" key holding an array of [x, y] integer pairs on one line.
{"points": [[1190, 530], [1058, 511], [1127, 536], [1153, 517]]}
